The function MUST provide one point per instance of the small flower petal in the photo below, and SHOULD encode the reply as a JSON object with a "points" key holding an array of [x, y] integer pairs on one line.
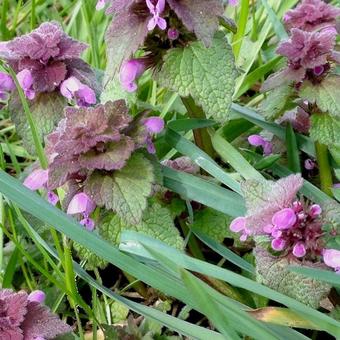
{"points": [[36, 180], [256, 140], [299, 250], [52, 198], [37, 296], [284, 219], [315, 210], [238, 224], [331, 257], [278, 244], [154, 124], [81, 203]]}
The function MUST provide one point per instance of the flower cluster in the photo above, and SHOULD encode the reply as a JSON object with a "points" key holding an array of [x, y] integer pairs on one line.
{"points": [[311, 15], [310, 47], [293, 227], [24, 317], [47, 60]]}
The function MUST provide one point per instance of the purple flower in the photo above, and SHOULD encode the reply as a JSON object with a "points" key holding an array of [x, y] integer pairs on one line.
{"points": [[25, 80], [154, 124], [173, 34], [315, 211], [284, 219], [299, 250], [52, 198], [72, 88], [156, 8], [336, 186], [37, 296], [88, 223], [331, 257], [36, 180], [278, 244], [309, 164], [311, 15], [130, 72], [81, 204], [100, 4], [257, 140], [238, 225], [233, 3], [50, 55], [23, 317], [6, 85]]}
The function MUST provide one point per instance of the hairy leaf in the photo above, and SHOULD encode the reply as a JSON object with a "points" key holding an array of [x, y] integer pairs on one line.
{"points": [[273, 272], [206, 74], [46, 109], [325, 129], [212, 223], [199, 16], [125, 191], [325, 94]]}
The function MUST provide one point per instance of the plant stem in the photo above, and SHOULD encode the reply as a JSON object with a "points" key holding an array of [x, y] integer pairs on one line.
{"points": [[36, 138], [192, 243], [202, 137], [325, 172]]}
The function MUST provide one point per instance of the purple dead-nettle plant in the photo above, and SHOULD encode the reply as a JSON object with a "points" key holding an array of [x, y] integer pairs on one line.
{"points": [[6, 86], [292, 227], [287, 231], [310, 56], [45, 58], [97, 140], [259, 141], [311, 15], [24, 317], [299, 119], [143, 24]]}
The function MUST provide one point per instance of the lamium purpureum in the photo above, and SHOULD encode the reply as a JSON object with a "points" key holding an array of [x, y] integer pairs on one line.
{"points": [[45, 58]]}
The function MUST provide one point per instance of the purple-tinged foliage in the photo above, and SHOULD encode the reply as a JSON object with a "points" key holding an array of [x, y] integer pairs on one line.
{"points": [[299, 119], [310, 56], [22, 317], [311, 15], [184, 164], [134, 20], [49, 54], [87, 139]]}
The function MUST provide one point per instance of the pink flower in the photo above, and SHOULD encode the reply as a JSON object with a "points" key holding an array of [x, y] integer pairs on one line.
{"points": [[131, 70], [173, 34], [52, 198], [72, 88], [299, 250], [37, 296], [233, 3], [238, 225], [336, 186], [309, 164], [36, 180], [156, 8], [331, 257], [315, 210], [88, 223], [25, 80], [81, 204], [257, 140], [278, 244], [154, 124], [6, 85], [100, 4], [284, 219]]}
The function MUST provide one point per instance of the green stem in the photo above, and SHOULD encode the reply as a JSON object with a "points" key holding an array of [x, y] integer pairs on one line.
{"points": [[36, 138], [202, 137], [325, 171], [138, 285], [192, 243]]}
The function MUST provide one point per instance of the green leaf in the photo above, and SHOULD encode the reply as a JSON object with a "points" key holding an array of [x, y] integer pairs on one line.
{"points": [[157, 223], [206, 74], [47, 110], [276, 102], [292, 150], [119, 312], [325, 129], [124, 191], [212, 223], [325, 94], [318, 274], [273, 272]]}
